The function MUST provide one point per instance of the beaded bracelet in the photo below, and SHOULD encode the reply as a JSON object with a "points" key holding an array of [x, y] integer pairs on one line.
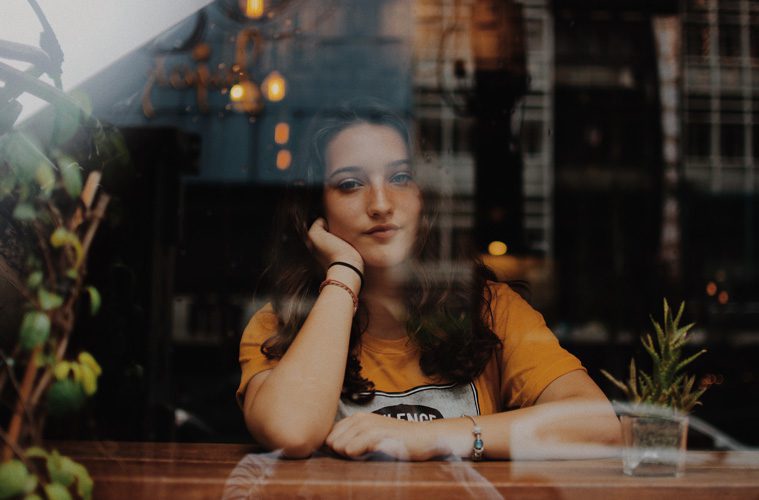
{"points": [[478, 447], [330, 281]]}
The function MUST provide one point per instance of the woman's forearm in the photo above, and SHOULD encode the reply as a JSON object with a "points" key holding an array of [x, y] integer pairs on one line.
{"points": [[295, 407], [575, 427]]}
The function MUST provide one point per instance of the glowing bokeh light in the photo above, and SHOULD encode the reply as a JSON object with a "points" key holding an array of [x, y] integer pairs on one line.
{"points": [[236, 93], [284, 158], [274, 86], [254, 9], [497, 248], [281, 133]]}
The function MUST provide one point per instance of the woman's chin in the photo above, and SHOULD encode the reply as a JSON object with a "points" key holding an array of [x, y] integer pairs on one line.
{"points": [[384, 262]]}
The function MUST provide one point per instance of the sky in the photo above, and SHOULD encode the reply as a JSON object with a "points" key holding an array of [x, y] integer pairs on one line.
{"points": [[92, 33]]}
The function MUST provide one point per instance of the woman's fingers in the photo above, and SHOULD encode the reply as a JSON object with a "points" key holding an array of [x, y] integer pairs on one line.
{"points": [[329, 248], [360, 434]]}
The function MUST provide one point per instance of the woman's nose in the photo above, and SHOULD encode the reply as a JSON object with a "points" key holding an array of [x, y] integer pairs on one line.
{"points": [[379, 202]]}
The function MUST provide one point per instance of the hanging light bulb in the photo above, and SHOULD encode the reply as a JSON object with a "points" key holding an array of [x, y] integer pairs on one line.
{"points": [[274, 86], [246, 97], [253, 9], [236, 93]]}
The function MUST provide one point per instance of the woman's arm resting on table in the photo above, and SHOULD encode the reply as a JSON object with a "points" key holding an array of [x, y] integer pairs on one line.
{"points": [[292, 407], [571, 419]]}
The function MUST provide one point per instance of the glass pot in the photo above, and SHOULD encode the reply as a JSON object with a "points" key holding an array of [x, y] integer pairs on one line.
{"points": [[654, 445]]}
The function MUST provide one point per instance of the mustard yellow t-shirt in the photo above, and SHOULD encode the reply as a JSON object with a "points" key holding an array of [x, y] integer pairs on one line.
{"points": [[514, 377]]}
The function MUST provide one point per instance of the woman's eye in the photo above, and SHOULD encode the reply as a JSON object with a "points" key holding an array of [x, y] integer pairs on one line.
{"points": [[401, 179], [348, 184]]}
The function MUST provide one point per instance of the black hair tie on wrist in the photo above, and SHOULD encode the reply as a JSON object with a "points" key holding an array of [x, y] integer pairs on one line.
{"points": [[349, 266]]}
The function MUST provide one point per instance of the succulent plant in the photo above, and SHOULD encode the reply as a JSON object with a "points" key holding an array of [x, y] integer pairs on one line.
{"points": [[666, 385]]}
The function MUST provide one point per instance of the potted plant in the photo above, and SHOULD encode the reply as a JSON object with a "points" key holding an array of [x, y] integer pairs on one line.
{"points": [[655, 422]]}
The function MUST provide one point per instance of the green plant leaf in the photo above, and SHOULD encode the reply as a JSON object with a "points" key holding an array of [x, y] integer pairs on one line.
{"points": [[84, 482], [71, 174], [23, 155], [55, 491], [680, 312], [13, 478], [24, 212], [45, 177], [59, 467], [35, 329], [689, 360], [36, 452], [632, 383], [32, 496], [94, 299], [65, 471], [86, 359], [88, 379], [49, 300], [7, 184], [616, 382], [64, 397], [34, 280], [63, 237], [72, 274]]}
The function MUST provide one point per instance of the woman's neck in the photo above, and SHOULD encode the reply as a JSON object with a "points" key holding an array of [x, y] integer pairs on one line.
{"points": [[383, 297]]}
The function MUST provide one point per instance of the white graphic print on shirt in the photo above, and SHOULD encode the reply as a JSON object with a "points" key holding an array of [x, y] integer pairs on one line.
{"points": [[420, 404]]}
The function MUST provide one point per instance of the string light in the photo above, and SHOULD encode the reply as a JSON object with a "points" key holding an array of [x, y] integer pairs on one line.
{"points": [[284, 158], [281, 133], [236, 93], [254, 9], [274, 86]]}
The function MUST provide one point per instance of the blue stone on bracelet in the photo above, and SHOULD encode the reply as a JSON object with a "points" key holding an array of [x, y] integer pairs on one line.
{"points": [[478, 444]]}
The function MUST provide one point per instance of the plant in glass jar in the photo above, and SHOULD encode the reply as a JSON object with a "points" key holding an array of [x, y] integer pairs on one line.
{"points": [[655, 423]]}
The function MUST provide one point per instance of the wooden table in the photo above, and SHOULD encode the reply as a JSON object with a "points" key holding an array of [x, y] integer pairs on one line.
{"points": [[190, 471]]}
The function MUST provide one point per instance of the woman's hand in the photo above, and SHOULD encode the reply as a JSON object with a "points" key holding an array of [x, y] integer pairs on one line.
{"points": [[364, 433], [329, 248]]}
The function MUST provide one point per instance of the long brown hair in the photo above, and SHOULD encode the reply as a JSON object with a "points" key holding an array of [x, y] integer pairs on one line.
{"points": [[448, 316]]}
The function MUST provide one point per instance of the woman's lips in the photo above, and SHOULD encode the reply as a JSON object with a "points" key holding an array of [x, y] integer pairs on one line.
{"points": [[383, 232]]}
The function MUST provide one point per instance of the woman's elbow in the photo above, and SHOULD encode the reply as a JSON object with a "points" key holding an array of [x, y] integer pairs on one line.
{"points": [[290, 444], [612, 431]]}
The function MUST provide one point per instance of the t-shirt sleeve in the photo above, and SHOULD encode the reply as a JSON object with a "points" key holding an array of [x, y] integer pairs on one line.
{"points": [[532, 357], [261, 326]]}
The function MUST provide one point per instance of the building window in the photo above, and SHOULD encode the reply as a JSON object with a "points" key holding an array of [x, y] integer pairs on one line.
{"points": [[730, 40], [697, 39], [698, 140], [532, 137], [430, 134], [731, 140]]}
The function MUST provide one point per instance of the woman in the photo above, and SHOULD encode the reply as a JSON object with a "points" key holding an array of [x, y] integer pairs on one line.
{"points": [[358, 331]]}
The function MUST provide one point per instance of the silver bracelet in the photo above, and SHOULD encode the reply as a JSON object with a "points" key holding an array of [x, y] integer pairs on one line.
{"points": [[478, 447]]}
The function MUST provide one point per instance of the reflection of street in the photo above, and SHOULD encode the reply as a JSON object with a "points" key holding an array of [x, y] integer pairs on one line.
{"points": [[266, 475]]}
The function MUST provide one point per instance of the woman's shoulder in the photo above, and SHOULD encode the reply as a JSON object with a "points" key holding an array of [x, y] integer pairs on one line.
{"points": [[262, 324], [507, 292], [510, 308]]}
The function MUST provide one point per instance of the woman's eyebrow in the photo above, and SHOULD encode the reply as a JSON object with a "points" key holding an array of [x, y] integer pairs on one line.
{"points": [[397, 163], [354, 169], [344, 170]]}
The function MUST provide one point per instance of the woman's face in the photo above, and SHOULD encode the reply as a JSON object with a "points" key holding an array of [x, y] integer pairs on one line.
{"points": [[370, 197]]}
